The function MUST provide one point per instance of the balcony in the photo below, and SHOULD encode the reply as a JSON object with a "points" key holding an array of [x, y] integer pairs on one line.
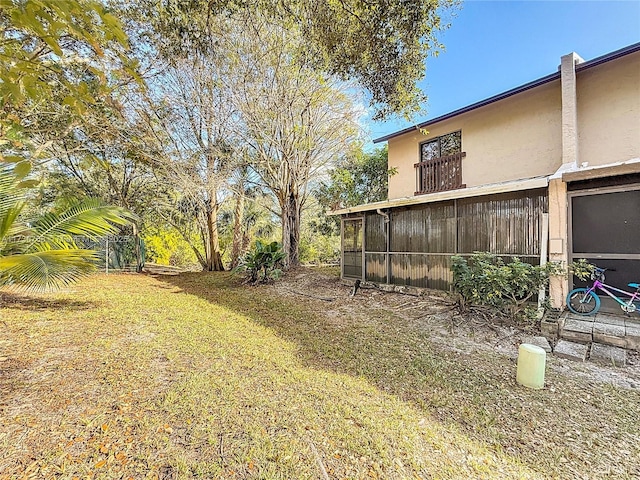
{"points": [[439, 174]]}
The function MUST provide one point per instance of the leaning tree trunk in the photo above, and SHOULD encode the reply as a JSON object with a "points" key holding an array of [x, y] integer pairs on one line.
{"points": [[291, 229], [214, 259], [238, 237]]}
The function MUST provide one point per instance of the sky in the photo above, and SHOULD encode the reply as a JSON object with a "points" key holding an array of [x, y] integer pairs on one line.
{"points": [[493, 46]]}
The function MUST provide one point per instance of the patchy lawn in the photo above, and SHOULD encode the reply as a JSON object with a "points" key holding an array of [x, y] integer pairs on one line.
{"points": [[131, 376]]}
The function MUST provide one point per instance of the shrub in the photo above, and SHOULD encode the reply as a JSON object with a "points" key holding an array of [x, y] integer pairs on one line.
{"points": [[485, 279], [262, 263], [582, 269]]}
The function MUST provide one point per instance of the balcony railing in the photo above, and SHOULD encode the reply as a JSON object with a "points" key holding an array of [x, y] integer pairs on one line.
{"points": [[439, 174]]}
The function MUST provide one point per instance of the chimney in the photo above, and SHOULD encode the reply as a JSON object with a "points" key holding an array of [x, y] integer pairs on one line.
{"points": [[569, 109]]}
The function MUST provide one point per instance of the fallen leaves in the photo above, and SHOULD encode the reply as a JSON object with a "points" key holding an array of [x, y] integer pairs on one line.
{"points": [[240, 370], [166, 428]]}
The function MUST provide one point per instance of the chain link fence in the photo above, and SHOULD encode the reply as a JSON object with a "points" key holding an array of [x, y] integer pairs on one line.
{"points": [[117, 253]]}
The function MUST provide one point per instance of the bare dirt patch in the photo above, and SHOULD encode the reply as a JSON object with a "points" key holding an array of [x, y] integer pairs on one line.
{"points": [[435, 312]]}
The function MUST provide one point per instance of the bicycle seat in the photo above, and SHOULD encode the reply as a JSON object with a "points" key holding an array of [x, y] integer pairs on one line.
{"points": [[634, 285]]}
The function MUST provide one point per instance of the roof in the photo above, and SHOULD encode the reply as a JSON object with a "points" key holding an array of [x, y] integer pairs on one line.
{"points": [[568, 173], [480, 190], [509, 93]]}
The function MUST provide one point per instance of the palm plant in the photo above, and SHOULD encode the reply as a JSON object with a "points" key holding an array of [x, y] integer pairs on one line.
{"points": [[41, 253], [263, 262]]}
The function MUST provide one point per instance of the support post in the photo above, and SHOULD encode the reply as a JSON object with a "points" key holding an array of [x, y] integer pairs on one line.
{"points": [[544, 249]]}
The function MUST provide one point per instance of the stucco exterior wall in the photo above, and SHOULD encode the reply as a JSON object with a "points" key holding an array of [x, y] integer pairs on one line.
{"points": [[609, 111], [515, 138]]}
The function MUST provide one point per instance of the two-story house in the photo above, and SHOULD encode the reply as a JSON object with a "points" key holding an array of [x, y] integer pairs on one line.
{"points": [[548, 170]]}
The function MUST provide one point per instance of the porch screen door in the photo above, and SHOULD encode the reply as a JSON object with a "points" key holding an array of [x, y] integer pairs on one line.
{"points": [[605, 230], [352, 251]]}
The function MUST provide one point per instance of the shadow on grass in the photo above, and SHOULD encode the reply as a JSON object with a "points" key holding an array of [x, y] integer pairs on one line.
{"points": [[26, 302], [389, 352], [473, 391]]}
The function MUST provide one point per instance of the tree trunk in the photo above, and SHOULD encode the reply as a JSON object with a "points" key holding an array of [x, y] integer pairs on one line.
{"points": [[291, 229], [238, 237], [214, 259], [185, 237]]}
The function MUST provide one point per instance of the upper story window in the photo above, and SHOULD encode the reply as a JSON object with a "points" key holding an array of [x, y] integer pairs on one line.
{"points": [[440, 165], [442, 146]]}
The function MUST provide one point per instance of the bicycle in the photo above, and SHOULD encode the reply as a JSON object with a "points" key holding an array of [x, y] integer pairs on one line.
{"points": [[585, 301]]}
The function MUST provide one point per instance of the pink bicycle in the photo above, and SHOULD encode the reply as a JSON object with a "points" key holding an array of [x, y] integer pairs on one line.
{"points": [[585, 301]]}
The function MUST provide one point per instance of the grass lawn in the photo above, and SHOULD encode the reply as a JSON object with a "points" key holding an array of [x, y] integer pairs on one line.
{"points": [[195, 376]]}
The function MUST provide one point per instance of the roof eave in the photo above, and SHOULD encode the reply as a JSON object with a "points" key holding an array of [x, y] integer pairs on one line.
{"points": [[509, 93], [468, 192]]}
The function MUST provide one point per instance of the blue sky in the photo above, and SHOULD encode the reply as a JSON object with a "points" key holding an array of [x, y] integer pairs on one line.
{"points": [[493, 46]]}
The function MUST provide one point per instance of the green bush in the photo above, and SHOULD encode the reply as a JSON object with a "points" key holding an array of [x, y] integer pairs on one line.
{"points": [[485, 279], [582, 269], [318, 248], [262, 263], [166, 246]]}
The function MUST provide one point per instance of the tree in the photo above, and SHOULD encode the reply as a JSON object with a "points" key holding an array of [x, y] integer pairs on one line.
{"points": [[357, 179], [295, 120], [103, 156], [51, 51], [380, 43], [41, 253], [245, 187], [192, 120]]}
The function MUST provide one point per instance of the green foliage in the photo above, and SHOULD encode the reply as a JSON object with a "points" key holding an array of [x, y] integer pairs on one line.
{"points": [[41, 253], [381, 44], [54, 52], [582, 269], [485, 279], [263, 262], [166, 246], [357, 179], [316, 248]]}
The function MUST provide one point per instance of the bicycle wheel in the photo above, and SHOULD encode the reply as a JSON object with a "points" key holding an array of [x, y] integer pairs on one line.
{"points": [[583, 303]]}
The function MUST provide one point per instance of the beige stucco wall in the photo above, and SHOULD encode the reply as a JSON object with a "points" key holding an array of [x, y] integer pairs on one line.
{"points": [[515, 138], [609, 111]]}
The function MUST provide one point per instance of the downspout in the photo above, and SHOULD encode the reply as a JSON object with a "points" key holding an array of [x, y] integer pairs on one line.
{"points": [[385, 215], [387, 243]]}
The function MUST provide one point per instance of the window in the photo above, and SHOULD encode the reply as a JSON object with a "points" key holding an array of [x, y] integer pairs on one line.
{"points": [[440, 165], [442, 146]]}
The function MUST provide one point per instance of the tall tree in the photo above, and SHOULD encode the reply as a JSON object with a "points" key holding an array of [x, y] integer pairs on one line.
{"points": [[295, 120], [193, 121], [104, 157], [245, 187], [362, 177], [382, 44]]}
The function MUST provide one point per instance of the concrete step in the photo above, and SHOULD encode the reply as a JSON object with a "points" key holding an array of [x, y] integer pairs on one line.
{"points": [[620, 331], [571, 350], [541, 342], [595, 352], [608, 355]]}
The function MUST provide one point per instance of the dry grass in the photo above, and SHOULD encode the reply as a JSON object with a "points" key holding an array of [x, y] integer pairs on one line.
{"points": [[196, 376]]}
